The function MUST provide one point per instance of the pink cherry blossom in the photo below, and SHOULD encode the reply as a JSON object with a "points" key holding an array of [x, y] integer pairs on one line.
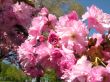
{"points": [[99, 74], [78, 70], [56, 55], [31, 57], [73, 33], [97, 19], [53, 38], [37, 25]]}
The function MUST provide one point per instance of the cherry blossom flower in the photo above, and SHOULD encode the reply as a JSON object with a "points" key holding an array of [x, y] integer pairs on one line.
{"points": [[53, 38], [73, 34], [78, 70], [97, 19]]}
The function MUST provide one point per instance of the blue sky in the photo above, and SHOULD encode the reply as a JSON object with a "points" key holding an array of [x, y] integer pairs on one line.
{"points": [[102, 4]]}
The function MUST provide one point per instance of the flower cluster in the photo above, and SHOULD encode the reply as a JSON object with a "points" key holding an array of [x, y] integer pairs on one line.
{"points": [[64, 44], [15, 19]]}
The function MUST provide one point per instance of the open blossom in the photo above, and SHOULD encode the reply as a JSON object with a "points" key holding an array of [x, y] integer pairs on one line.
{"points": [[74, 34], [97, 19], [66, 18], [42, 24], [64, 58], [99, 74], [81, 69], [37, 25], [31, 57]]}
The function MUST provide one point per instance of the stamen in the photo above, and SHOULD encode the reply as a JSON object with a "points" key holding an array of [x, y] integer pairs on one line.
{"points": [[98, 61]]}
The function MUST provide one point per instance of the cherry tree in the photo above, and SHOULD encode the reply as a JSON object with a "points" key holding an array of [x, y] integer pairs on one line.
{"points": [[44, 41]]}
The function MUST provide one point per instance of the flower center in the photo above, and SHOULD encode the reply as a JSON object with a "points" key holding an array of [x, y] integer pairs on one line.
{"points": [[95, 56], [73, 36], [98, 61]]}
